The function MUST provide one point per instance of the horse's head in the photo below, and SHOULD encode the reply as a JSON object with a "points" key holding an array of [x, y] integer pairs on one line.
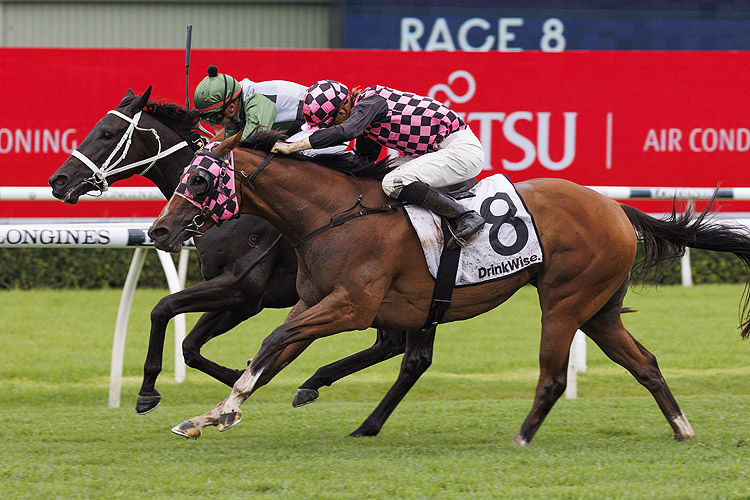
{"points": [[207, 195], [111, 151]]}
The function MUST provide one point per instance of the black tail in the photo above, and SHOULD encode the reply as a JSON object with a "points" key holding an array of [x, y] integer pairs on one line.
{"points": [[666, 240]]}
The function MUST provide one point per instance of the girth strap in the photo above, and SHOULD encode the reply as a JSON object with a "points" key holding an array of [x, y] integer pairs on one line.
{"points": [[444, 282]]}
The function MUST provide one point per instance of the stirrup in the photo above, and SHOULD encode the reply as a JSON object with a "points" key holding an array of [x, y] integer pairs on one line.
{"points": [[454, 239], [467, 232]]}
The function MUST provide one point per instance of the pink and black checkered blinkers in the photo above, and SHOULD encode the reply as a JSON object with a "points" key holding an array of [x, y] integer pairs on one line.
{"points": [[322, 101], [220, 201]]}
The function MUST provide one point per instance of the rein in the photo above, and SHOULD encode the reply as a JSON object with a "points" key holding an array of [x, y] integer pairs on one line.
{"points": [[100, 174], [254, 263], [220, 211], [335, 223], [258, 170]]}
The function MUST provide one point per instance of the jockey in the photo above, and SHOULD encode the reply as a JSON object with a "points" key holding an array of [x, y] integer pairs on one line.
{"points": [[446, 150], [243, 106]]}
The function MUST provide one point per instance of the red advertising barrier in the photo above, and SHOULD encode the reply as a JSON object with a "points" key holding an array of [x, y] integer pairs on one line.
{"points": [[624, 118]]}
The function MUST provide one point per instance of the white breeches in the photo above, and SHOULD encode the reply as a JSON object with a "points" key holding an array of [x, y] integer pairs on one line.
{"points": [[459, 157]]}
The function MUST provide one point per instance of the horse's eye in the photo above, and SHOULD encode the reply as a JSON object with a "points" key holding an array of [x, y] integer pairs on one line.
{"points": [[198, 185], [107, 135]]}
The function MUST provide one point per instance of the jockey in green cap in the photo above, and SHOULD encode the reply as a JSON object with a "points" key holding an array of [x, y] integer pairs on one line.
{"points": [[243, 106]]}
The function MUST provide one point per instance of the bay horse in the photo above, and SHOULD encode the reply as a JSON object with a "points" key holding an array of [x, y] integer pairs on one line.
{"points": [[357, 272], [247, 265]]}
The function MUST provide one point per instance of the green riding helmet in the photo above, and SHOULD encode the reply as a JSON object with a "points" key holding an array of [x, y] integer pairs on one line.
{"points": [[214, 93]]}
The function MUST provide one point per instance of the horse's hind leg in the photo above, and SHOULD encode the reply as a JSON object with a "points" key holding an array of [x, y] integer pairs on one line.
{"points": [[417, 358], [606, 329], [557, 335], [569, 295], [387, 345]]}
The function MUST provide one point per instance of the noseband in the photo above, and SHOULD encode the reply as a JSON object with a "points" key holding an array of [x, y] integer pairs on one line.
{"points": [[99, 177], [219, 202]]}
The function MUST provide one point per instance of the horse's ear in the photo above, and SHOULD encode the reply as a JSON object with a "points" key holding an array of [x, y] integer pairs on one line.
{"points": [[220, 135], [140, 101], [147, 94], [127, 98], [228, 144], [236, 139]]}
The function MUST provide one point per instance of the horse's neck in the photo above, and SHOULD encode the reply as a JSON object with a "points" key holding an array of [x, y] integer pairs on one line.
{"points": [[297, 197], [166, 172]]}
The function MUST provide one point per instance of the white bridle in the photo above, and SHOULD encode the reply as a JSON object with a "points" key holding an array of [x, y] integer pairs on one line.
{"points": [[99, 179]]}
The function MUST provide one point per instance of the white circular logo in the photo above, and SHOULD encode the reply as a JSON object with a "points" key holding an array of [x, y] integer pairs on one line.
{"points": [[448, 91]]}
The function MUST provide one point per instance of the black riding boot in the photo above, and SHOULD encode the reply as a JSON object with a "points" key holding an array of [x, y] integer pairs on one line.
{"points": [[464, 222]]}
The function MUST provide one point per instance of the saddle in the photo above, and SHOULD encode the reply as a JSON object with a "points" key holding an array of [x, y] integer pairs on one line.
{"points": [[446, 274], [456, 191], [461, 190]]}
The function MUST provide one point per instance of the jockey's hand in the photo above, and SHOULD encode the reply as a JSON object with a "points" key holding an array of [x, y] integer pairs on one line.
{"points": [[282, 147], [288, 148]]}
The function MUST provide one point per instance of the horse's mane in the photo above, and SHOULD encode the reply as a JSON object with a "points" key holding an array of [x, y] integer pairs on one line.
{"points": [[170, 114], [173, 115], [352, 164]]}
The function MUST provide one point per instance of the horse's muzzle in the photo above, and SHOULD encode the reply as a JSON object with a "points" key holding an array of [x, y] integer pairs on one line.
{"points": [[163, 239]]}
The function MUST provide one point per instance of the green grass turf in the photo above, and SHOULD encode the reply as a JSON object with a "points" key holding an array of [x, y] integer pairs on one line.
{"points": [[450, 438]]}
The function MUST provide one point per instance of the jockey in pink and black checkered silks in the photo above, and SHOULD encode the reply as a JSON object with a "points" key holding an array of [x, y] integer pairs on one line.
{"points": [[445, 150]]}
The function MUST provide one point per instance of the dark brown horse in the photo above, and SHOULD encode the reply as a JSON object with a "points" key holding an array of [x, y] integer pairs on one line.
{"points": [[370, 271], [247, 265]]}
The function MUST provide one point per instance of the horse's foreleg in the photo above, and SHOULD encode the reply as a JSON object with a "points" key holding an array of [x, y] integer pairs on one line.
{"points": [[334, 314], [387, 345], [417, 358], [215, 295], [251, 380], [215, 417], [209, 326], [148, 397], [192, 428]]}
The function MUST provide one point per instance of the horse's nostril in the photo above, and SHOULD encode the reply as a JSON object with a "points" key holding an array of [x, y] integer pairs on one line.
{"points": [[59, 180], [158, 233]]}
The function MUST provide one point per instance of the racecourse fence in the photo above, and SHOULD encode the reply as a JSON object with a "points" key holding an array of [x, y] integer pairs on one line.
{"points": [[98, 233], [133, 234]]}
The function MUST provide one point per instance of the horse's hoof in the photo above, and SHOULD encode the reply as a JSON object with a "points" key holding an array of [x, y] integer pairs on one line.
{"points": [[519, 441], [683, 437], [187, 429], [146, 404], [305, 397], [363, 431], [682, 428], [229, 420]]}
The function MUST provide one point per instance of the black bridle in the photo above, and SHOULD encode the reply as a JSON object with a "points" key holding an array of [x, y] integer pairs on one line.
{"points": [[212, 196]]}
